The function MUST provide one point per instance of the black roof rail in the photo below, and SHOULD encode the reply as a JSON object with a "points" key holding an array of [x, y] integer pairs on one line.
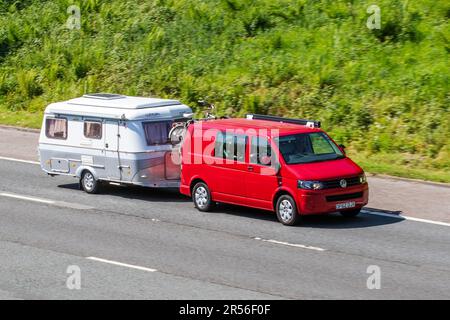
{"points": [[309, 123]]}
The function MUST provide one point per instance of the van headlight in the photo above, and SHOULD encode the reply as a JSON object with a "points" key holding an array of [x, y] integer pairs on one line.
{"points": [[310, 185], [362, 178]]}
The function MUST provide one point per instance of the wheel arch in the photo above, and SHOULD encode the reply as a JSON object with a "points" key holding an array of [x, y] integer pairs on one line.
{"points": [[194, 181], [278, 194], [82, 169]]}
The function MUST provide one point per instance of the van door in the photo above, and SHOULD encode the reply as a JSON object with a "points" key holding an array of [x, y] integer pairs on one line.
{"points": [[227, 174], [112, 140], [262, 182]]}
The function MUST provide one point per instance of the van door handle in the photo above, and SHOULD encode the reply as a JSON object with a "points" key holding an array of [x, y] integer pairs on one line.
{"points": [[250, 168], [106, 146]]}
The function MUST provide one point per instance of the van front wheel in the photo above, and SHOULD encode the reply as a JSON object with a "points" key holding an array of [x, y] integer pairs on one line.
{"points": [[202, 197], [89, 183], [287, 210]]}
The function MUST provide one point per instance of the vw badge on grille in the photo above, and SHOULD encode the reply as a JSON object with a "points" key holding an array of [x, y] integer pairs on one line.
{"points": [[343, 183]]}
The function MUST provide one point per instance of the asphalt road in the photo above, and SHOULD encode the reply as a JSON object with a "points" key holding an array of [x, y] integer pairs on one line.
{"points": [[157, 246], [397, 196]]}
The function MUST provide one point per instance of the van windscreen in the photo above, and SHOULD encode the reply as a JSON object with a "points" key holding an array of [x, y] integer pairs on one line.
{"points": [[307, 148], [157, 132]]}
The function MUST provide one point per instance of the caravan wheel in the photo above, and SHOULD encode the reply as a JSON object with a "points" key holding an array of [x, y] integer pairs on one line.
{"points": [[89, 183]]}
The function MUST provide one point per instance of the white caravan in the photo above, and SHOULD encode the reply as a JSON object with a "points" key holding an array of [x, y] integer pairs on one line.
{"points": [[110, 137]]}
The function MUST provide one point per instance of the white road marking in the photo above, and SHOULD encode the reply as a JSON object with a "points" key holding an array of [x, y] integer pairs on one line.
{"points": [[19, 160], [62, 204], [440, 223], [34, 199], [122, 264], [290, 244]]}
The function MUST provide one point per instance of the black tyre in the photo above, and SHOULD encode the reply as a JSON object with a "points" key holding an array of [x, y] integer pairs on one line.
{"points": [[202, 197], [350, 213], [89, 183], [286, 210]]}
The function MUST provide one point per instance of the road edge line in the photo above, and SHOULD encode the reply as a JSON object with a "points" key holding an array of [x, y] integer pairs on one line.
{"points": [[440, 223], [121, 264], [19, 160]]}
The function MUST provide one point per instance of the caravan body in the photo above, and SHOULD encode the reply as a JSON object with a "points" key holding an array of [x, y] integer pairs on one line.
{"points": [[113, 137]]}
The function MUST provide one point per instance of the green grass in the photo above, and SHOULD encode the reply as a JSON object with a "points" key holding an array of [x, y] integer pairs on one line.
{"points": [[384, 164], [380, 92], [21, 118]]}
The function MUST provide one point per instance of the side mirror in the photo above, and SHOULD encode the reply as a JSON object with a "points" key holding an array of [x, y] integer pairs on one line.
{"points": [[342, 147]]}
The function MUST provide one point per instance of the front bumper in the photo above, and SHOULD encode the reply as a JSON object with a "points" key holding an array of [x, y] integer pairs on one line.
{"points": [[324, 201]]}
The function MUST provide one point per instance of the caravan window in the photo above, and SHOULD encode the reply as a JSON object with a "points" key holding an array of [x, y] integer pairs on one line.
{"points": [[157, 132], [56, 128], [93, 129]]}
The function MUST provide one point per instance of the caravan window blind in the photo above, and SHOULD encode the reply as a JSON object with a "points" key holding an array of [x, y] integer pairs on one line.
{"points": [[157, 132]]}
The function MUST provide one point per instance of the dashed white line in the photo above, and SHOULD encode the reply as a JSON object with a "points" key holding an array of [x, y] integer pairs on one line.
{"points": [[121, 264], [19, 160], [440, 223], [302, 246]]}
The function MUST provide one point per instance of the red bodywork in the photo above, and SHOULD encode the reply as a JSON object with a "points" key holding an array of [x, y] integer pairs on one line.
{"points": [[241, 183]]}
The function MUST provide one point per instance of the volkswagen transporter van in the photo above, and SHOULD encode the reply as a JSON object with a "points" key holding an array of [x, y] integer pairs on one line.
{"points": [[289, 166]]}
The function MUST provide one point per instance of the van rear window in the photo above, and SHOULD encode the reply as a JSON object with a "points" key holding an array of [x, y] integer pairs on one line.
{"points": [[157, 132], [56, 128]]}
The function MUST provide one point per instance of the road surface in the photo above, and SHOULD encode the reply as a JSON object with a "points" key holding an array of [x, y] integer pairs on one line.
{"points": [[135, 243]]}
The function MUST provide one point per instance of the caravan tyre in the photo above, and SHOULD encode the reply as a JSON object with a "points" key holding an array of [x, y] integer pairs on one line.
{"points": [[89, 183]]}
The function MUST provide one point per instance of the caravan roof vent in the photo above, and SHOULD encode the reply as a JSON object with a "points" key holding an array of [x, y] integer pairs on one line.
{"points": [[103, 96]]}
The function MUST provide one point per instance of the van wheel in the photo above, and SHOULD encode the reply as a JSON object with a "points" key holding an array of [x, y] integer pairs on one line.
{"points": [[287, 210], [350, 213], [202, 197], [89, 183]]}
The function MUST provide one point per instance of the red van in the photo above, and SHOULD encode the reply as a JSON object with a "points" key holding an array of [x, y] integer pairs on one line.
{"points": [[289, 166]]}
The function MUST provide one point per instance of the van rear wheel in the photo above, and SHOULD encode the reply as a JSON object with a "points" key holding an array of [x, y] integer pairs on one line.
{"points": [[286, 210], [202, 197], [89, 183]]}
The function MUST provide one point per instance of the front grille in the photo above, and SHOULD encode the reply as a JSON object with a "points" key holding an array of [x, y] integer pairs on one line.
{"points": [[346, 196], [331, 184]]}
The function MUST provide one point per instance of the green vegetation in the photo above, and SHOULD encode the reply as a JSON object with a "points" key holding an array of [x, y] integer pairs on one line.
{"points": [[384, 93]]}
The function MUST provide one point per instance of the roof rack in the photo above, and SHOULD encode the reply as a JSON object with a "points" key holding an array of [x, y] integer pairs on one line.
{"points": [[308, 123], [103, 96]]}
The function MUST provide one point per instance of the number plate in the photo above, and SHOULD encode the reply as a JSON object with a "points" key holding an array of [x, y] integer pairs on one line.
{"points": [[345, 205]]}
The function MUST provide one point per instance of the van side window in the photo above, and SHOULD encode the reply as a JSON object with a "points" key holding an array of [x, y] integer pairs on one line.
{"points": [[261, 151], [157, 132], [93, 129], [56, 128], [230, 146]]}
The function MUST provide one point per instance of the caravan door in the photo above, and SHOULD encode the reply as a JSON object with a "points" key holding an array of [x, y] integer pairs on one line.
{"points": [[112, 160]]}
